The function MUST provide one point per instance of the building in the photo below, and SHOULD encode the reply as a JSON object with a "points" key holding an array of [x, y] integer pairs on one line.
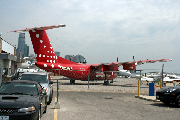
{"points": [[80, 59], [22, 47], [76, 59], [26, 50], [57, 53], [68, 57], [8, 60]]}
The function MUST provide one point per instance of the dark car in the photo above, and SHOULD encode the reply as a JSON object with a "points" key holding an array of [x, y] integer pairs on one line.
{"points": [[22, 100], [169, 95]]}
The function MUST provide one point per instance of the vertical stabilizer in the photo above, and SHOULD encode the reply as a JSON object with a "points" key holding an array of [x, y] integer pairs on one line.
{"points": [[42, 46], [43, 49]]}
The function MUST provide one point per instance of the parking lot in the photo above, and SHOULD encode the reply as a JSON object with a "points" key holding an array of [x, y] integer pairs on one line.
{"points": [[118, 85], [116, 101]]}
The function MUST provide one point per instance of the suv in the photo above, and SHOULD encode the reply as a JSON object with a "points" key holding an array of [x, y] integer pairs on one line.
{"points": [[44, 79]]}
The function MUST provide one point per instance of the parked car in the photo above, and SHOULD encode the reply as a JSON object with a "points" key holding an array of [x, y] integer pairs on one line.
{"points": [[22, 100], [44, 79], [169, 95]]}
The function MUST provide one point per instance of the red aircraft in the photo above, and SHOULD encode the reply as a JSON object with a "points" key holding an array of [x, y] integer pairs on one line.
{"points": [[47, 60]]}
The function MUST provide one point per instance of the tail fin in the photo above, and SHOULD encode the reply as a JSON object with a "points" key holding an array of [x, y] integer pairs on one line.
{"points": [[42, 46]]}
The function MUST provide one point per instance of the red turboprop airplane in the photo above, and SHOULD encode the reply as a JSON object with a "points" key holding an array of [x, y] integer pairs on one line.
{"points": [[47, 60]]}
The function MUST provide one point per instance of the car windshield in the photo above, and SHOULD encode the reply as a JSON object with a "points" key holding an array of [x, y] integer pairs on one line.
{"points": [[18, 88], [38, 78]]}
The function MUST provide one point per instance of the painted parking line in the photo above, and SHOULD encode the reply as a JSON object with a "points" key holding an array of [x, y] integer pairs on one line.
{"points": [[55, 111]]}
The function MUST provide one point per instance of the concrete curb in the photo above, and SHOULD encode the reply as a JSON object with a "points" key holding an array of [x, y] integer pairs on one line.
{"points": [[148, 98]]}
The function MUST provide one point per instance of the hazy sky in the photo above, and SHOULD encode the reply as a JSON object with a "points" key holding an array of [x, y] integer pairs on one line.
{"points": [[101, 30]]}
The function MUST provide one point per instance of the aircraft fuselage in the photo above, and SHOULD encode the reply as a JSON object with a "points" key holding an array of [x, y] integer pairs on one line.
{"points": [[80, 71]]}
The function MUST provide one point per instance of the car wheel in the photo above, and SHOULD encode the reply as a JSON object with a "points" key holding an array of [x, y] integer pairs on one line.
{"points": [[39, 115], [45, 109], [177, 102], [50, 99], [166, 102]]}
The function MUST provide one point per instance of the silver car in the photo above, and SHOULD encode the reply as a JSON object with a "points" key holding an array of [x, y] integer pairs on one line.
{"points": [[44, 79]]}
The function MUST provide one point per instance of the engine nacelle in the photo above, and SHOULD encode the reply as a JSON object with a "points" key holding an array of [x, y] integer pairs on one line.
{"points": [[129, 66]]}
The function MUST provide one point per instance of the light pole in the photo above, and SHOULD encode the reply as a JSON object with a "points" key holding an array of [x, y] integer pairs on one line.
{"points": [[162, 75], [57, 104]]}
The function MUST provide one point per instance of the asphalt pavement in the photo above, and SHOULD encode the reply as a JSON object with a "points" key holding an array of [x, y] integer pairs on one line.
{"points": [[99, 102]]}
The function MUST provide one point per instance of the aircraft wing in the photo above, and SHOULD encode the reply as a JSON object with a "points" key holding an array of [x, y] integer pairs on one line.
{"points": [[144, 61], [105, 67], [107, 64], [128, 65], [132, 64]]}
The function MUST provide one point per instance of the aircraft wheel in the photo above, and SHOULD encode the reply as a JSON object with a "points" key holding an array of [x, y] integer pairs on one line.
{"points": [[106, 82], [72, 81]]}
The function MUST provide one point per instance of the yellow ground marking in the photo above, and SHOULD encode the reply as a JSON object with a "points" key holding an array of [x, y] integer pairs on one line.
{"points": [[55, 111], [86, 91]]}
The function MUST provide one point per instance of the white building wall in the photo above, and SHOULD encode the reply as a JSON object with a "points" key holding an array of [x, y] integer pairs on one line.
{"points": [[7, 47], [1, 69]]}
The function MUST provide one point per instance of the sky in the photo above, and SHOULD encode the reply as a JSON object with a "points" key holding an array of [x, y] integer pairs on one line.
{"points": [[101, 30]]}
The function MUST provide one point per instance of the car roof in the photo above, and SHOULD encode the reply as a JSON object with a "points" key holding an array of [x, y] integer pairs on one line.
{"points": [[35, 73], [23, 81]]}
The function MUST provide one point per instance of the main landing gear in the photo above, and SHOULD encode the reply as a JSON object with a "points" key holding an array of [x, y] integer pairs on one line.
{"points": [[72, 81], [106, 82], [111, 81]]}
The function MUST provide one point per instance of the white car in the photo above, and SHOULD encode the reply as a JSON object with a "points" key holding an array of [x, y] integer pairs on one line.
{"points": [[44, 79]]}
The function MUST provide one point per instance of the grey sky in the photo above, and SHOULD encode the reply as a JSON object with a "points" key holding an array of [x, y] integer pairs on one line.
{"points": [[101, 30]]}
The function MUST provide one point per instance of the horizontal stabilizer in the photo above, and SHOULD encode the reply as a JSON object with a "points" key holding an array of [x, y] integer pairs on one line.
{"points": [[40, 28]]}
